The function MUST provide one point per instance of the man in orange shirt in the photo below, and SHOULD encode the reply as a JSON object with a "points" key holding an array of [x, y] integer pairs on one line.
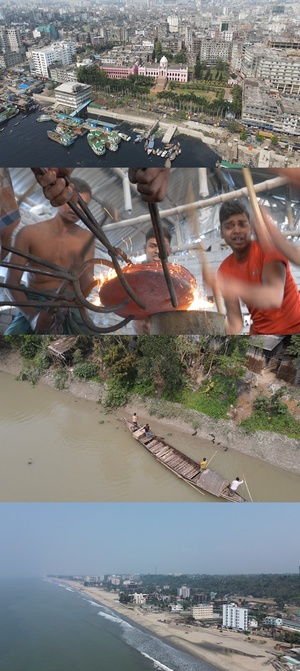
{"points": [[260, 277]]}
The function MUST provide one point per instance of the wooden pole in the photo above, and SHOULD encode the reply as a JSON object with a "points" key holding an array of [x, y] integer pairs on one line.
{"points": [[260, 226], [248, 490], [216, 452]]}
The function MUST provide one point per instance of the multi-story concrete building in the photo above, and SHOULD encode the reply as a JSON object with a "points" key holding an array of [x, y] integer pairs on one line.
{"points": [[73, 95], [266, 108], [12, 50], [273, 621], [213, 49], [10, 40], [281, 68], [235, 617], [62, 53], [184, 592], [203, 612]]}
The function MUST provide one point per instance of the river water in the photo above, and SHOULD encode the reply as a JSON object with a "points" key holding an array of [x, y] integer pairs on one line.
{"points": [[27, 144], [79, 453]]}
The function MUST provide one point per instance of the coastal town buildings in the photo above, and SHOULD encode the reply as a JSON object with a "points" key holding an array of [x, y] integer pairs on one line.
{"points": [[235, 617], [203, 612], [184, 592]]}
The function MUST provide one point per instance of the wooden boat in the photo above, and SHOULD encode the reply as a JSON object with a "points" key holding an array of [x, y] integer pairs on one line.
{"points": [[183, 466]]}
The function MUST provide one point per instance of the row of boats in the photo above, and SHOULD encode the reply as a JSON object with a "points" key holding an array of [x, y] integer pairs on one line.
{"points": [[100, 139]]}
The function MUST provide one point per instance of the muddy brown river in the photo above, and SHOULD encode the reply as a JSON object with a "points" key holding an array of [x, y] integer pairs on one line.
{"points": [[76, 452]]}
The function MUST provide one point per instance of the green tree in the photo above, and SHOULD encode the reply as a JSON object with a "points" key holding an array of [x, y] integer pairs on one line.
{"points": [[294, 346], [243, 135]]}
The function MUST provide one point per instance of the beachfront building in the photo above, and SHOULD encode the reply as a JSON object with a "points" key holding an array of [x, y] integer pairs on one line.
{"points": [[139, 599], [176, 607], [273, 621], [73, 95], [203, 612], [62, 53], [235, 617]]}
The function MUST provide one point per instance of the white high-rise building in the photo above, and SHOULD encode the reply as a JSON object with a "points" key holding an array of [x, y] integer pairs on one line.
{"points": [[184, 592], [58, 52], [235, 617]]}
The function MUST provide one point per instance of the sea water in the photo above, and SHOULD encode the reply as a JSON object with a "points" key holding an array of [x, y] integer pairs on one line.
{"points": [[48, 627]]}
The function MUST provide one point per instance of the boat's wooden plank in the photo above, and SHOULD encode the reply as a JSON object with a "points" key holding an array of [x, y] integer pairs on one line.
{"points": [[153, 443], [159, 447], [173, 461], [163, 451]]}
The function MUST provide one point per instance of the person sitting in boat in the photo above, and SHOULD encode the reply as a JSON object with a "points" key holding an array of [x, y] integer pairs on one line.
{"points": [[234, 485], [59, 241], [135, 420], [203, 465], [148, 432], [142, 326]]}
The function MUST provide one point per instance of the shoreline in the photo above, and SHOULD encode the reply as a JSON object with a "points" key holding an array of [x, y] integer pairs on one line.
{"points": [[237, 652], [265, 446]]}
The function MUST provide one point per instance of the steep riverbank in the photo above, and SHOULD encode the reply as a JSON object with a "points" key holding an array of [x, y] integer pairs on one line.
{"points": [[276, 449]]}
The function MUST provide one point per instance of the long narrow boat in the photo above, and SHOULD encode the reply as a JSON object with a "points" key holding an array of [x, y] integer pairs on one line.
{"points": [[183, 466]]}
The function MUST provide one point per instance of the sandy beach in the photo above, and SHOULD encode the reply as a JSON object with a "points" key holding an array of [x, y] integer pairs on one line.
{"points": [[236, 652]]}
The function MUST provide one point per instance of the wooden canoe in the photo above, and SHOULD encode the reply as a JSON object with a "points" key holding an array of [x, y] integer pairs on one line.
{"points": [[183, 466]]}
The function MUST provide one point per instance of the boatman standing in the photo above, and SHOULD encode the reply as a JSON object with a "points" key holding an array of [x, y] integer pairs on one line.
{"points": [[234, 485]]}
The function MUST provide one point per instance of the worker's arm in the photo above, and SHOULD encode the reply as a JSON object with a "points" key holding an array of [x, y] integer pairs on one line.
{"points": [[266, 295], [39, 320], [234, 318], [152, 183]]}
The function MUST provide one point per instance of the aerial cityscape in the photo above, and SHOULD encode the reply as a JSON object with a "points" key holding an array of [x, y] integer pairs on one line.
{"points": [[152, 76], [179, 588]]}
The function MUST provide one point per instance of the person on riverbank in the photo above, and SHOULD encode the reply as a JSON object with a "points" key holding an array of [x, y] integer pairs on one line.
{"points": [[135, 420], [260, 277], [142, 326], [62, 242], [232, 489]]}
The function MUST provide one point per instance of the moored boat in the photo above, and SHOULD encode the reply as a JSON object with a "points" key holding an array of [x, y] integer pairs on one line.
{"points": [[96, 142], [182, 466], [44, 117], [61, 139]]}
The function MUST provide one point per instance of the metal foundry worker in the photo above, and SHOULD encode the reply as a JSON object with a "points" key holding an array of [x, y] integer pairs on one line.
{"points": [[142, 326], [259, 276], [152, 184], [60, 241], [9, 211]]}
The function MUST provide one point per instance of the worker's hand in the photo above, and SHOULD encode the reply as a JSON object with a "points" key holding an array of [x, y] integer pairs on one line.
{"points": [[54, 185], [272, 237], [152, 183], [292, 174], [41, 323]]}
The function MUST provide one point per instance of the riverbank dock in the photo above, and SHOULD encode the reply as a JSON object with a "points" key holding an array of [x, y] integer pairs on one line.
{"points": [[169, 134]]}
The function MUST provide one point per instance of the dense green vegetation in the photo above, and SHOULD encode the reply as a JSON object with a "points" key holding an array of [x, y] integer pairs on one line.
{"points": [[204, 374], [286, 587]]}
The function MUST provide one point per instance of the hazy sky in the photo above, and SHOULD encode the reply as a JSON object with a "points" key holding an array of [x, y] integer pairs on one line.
{"points": [[88, 538]]}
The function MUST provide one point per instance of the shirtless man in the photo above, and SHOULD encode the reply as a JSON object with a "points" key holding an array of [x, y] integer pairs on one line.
{"points": [[9, 212], [60, 241]]}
